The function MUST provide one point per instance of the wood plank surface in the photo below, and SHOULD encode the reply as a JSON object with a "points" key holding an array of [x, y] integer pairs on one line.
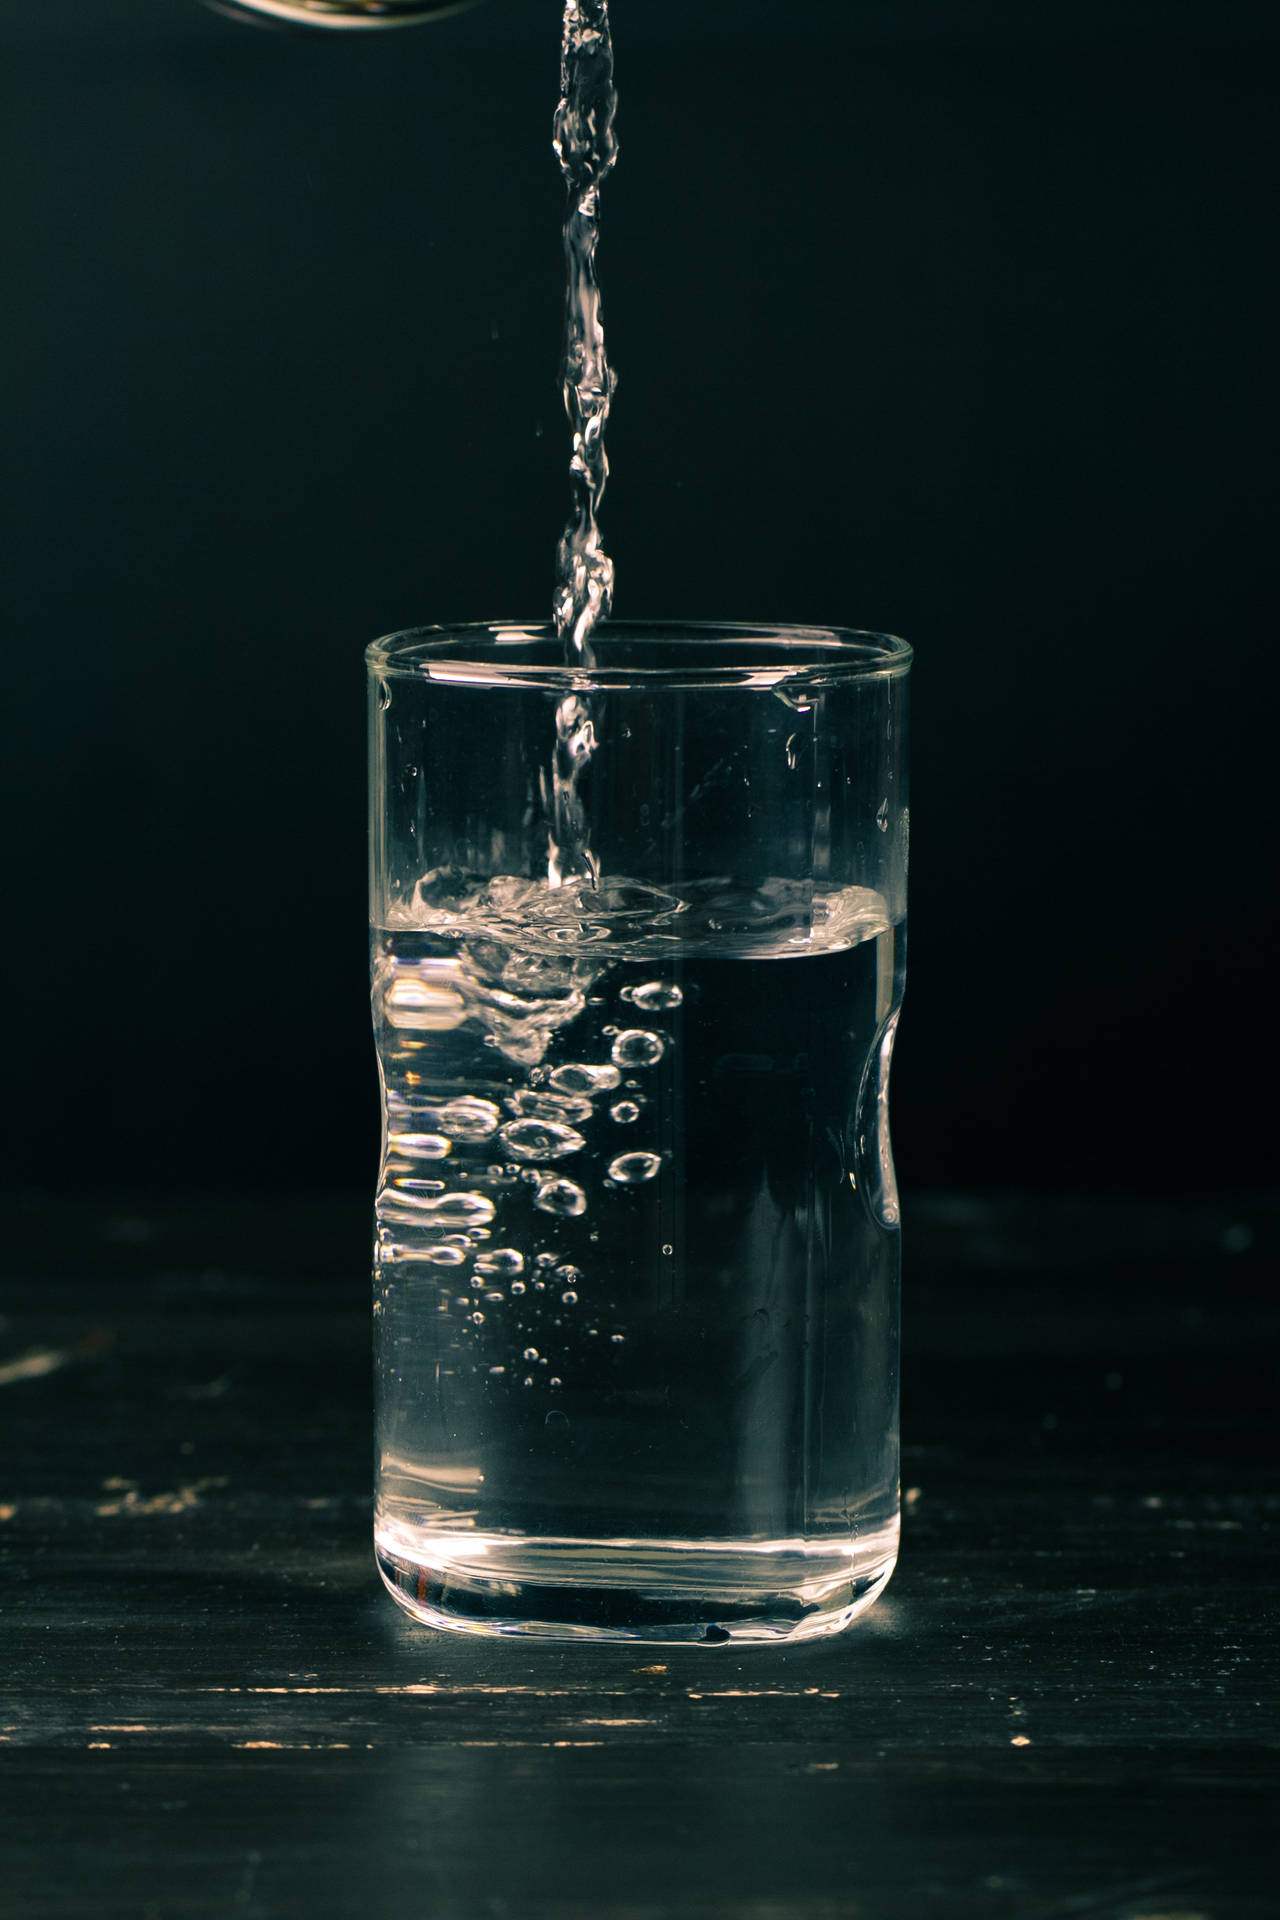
{"points": [[1065, 1704]]}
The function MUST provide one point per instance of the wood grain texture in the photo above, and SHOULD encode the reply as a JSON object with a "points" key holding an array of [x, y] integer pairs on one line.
{"points": [[1065, 1705]]}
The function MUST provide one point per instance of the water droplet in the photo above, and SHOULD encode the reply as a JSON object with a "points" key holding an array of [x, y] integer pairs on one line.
{"points": [[576, 1078], [530, 1353], [541, 1139], [636, 1048], [655, 996], [631, 1169], [569, 1297], [501, 1260], [560, 1196], [477, 1318], [517, 1287], [625, 1112], [420, 1146]]}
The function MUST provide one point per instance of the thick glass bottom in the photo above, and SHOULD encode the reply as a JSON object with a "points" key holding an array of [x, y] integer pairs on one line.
{"points": [[662, 1592]]}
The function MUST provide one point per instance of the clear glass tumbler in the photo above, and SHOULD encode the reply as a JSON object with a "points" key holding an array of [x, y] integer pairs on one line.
{"points": [[637, 1248]]}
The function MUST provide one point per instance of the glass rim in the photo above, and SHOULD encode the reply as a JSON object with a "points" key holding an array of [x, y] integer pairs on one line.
{"points": [[471, 654]]}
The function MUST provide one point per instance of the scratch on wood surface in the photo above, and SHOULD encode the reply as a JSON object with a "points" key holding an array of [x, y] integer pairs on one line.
{"points": [[31, 1366], [762, 1693]]}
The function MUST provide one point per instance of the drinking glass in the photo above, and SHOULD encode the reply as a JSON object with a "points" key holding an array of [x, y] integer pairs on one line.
{"points": [[637, 1244]]}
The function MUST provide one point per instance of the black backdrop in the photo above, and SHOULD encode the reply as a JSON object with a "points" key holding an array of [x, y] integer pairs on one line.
{"points": [[991, 292]]}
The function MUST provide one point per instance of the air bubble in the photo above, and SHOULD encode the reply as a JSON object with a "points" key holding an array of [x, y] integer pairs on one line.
{"points": [[416, 1003], [625, 1112], [445, 1256], [420, 1146], [449, 1209], [541, 1139], [501, 1260], [562, 1197], [631, 1169], [655, 997], [550, 1106], [636, 1048], [468, 1119], [577, 1078]]}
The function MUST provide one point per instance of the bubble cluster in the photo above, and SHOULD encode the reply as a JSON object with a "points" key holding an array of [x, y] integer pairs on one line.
{"points": [[631, 1169], [637, 1048], [561, 1197], [541, 1139]]}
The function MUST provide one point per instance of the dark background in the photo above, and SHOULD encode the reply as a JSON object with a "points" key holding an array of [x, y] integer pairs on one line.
{"points": [[991, 291]]}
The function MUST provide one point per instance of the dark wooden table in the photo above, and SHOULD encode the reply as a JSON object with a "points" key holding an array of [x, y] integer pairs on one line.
{"points": [[1063, 1707]]}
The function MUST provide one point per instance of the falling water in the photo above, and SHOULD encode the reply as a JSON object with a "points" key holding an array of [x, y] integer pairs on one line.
{"points": [[587, 145]]}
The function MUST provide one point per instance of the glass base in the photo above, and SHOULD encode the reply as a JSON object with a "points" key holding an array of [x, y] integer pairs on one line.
{"points": [[661, 1592]]}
